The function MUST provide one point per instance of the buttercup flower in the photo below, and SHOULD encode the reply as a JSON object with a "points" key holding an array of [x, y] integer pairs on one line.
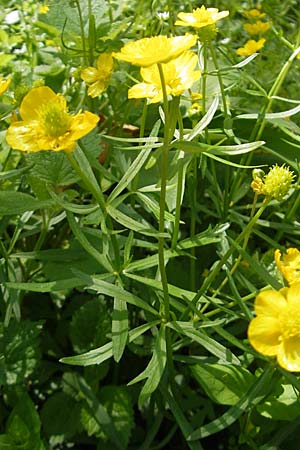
{"points": [[98, 77], [276, 329], [201, 17], [43, 9], [46, 123], [4, 84], [157, 49], [289, 264], [251, 47], [277, 182], [253, 14], [258, 27], [179, 75]]}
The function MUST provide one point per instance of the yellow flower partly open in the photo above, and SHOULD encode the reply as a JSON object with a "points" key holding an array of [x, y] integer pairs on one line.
{"points": [[98, 77], [157, 49], [4, 84], [258, 27], [251, 47], [276, 329], [46, 123], [289, 264], [179, 75], [201, 17], [253, 14]]}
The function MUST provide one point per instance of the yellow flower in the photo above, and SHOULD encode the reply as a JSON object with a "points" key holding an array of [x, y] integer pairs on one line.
{"points": [[4, 83], [179, 75], [43, 9], [98, 77], [277, 182], [276, 329], [157, 49], [46, 123], [201, 17], [251, 47], [289, 265], [253, 14], [258, 27]]}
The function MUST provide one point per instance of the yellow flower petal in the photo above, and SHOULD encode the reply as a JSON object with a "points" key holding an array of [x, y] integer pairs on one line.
{"points": [[288, 355], [157, 49], [264, 335], [270, 303], [89, 75], [47, 125], [258, 27], [142, 90], [251, 47], [4, 84], [289, 264], [201, 17]]}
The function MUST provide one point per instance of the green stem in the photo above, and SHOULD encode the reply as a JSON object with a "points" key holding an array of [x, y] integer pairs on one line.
{"points": [[179, 188], [221, 84], [141, 134], [162, 202], [227, 255], [204, 79], [82, 32]]}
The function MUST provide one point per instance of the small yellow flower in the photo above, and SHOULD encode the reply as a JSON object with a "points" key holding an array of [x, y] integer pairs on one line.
{"points": [[179, 75], [46, 123], [253, 14], [257, 185], [43, 9], [4, 84], [277, 182], [276, 329], [153, 50], [201, 17], [98, 77], [251, 47], [258, 27], [289, 265]]}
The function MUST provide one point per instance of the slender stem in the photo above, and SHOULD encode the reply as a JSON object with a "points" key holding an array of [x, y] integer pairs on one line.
{"points": [[82, 31], [221, 84], [162, 202], [204, 79], [193, 224], [179, 188], [141, 134], [227, 255]]}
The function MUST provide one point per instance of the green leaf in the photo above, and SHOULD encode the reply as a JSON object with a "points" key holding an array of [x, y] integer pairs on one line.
{"points": [[283, 407], [51, 167], [19, 345], [135, 167], [119, 328], [214, 347], [205, 121], [224, 384], [6, 443], [258, 391], [133, 224], [90, 325], [118, 404], [98, 355], [12, 202], [60, 416], [194, 147], [24, 425], [154, 369]]}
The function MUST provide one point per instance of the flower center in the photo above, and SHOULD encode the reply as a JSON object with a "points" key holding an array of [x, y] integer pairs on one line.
{"points": [[290, 323], [55, 119]]}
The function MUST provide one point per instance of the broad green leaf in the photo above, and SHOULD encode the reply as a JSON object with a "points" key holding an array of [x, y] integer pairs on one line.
{"points": [[119, 329], [19, 345], [60, 416], [224, 384], [282, 407], [90, 325], [257, 392], [98, 355], [212, 346], [12, 203], [51, 167], [118, 404]]}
